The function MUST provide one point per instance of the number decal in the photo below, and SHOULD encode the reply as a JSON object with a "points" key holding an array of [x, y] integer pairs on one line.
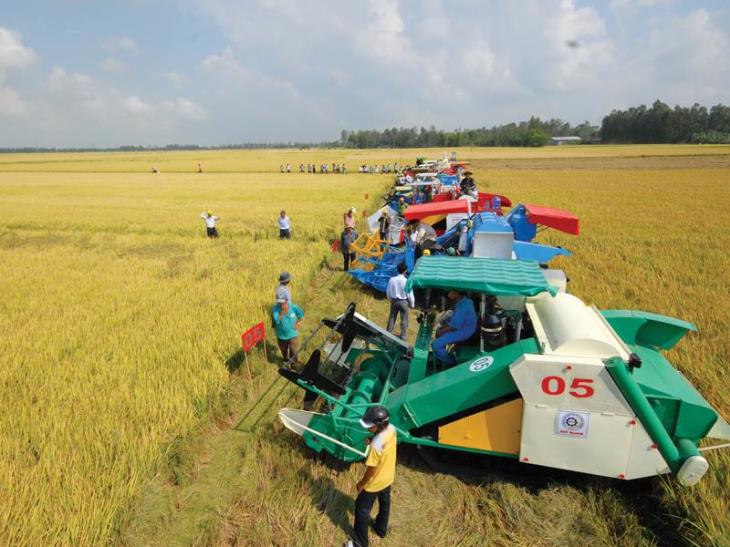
{"points": [[553, 385], [580, 388]]}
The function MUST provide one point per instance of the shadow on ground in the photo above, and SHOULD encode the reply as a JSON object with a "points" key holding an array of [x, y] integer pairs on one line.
{"points": [[328, 499]]}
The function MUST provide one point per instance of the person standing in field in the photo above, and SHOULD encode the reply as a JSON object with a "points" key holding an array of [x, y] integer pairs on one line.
{"points": [[349, 218], [210, 221], [378, 478], [287, 318], [400, 300], [347, 238], [284, 225], [283, 292], [200, 168], [383, 226]]}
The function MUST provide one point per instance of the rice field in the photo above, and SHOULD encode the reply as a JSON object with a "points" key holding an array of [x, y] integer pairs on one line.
{"points": [[120, 324]]}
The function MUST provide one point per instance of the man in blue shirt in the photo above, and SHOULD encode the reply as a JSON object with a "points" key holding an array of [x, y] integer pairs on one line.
{"points": [[462, 326], [287, 317]]}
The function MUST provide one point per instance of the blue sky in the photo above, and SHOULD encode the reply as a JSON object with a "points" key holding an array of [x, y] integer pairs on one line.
{"points": [[110, 73]]}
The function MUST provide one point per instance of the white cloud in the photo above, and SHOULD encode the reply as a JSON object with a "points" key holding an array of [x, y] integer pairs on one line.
{"points": [[174, 78], [120, 43], [226, 66], [136, 105], [624, 4], [11, 103], [190, 110], [186, 108], [74, 84], [13, 56], [114, 65], [592, 55]]}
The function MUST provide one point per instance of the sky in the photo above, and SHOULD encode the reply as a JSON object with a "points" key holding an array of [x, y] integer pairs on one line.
{"points": [[93, 73]]}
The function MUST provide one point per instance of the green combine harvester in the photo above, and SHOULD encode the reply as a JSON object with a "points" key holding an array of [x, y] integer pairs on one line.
{"points": [[546, 380]]}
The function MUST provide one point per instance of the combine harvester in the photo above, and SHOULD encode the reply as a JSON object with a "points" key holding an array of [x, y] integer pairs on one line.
{"points": [[468, 228], [546, 380]]}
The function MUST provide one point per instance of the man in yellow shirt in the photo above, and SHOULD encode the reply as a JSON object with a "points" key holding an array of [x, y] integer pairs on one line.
{"points": [[379, 475]]}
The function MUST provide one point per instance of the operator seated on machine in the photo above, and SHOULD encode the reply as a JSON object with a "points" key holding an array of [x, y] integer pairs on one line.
{"points": [[461, 327]]}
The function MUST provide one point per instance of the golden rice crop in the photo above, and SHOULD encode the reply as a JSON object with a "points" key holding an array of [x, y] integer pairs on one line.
{"points": [[119, 319]]}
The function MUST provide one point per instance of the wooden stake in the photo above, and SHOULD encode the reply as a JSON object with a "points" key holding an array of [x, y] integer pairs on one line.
{"points": [[248, 368], [266, 354]]}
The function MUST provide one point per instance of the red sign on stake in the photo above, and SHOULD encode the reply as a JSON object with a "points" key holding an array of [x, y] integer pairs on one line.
{"points": [[253, 336]]}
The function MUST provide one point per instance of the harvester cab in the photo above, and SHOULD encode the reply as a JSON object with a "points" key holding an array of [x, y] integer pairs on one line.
{"points": [[546, 380]]}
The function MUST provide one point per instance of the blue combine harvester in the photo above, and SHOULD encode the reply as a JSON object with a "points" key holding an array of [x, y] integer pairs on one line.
{"points": [[482, 234]]}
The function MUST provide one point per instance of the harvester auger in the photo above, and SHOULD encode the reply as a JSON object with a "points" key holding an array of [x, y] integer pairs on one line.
{"points": [[546, 380]]}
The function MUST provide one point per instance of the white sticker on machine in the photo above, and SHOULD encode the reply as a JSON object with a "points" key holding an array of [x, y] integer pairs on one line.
{"points": [[569, 423]]}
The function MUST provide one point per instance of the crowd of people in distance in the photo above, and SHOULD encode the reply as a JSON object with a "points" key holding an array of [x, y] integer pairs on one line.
{"points": [[378, 169], [313, 168], [341, 168]]}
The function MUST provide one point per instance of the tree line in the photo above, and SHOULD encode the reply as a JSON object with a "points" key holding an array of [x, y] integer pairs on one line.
{"points": [[534, 132], [662, 124]]}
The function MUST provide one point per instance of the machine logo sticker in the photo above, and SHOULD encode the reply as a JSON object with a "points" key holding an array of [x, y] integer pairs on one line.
{"points": [[483, 363], [572, 424]]}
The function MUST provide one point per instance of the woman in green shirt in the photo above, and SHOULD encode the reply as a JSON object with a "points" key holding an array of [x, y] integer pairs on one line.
{"points": [[287, 317]]}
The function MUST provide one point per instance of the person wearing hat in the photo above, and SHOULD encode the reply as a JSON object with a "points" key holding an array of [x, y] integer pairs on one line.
{"points": [[210, 221], [347, 238], [282, 291], [349, 218], [287, 317], [468, 186], [378, 478]]}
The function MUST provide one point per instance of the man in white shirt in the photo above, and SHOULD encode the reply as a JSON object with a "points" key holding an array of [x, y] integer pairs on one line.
{"points": [[284, 226], [424, 232], [423, 235], [209, 220], [400, 301]]}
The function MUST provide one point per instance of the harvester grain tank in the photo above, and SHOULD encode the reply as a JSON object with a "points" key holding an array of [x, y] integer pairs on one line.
{"points": [[564, 385]]}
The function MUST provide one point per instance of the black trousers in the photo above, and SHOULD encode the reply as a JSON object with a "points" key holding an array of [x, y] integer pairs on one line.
{"points": [[284, 234], [363, 505], [348, 257], [211, 232], [398, 307]]}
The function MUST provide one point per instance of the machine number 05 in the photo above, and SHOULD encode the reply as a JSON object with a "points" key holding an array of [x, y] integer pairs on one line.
{"points": [[579, 387]]}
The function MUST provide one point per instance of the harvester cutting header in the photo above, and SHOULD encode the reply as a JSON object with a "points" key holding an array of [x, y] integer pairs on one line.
{"points": [[545, 379]]}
